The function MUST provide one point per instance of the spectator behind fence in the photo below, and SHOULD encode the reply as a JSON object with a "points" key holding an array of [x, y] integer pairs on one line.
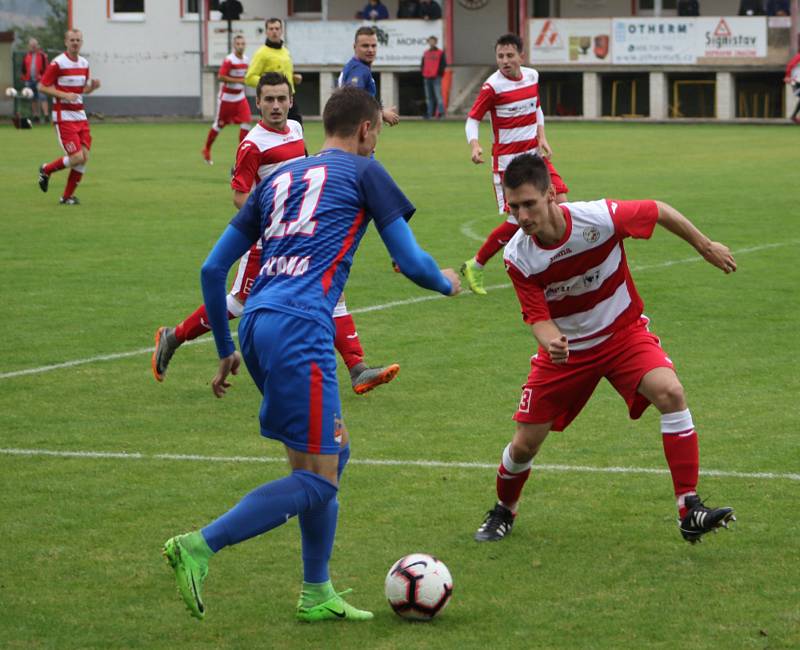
{"points": [[751, 8], [688, 8], [432, 68], [33, 66], [231, 9], [778, 8], [408, 9], [430, 10], [374, 10]]}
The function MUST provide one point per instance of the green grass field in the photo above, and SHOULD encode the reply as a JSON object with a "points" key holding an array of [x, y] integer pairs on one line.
{"points": [[595, 560]]}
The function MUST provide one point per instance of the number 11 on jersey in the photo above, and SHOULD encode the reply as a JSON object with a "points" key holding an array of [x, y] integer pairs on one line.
{"points": [[304, 223]]}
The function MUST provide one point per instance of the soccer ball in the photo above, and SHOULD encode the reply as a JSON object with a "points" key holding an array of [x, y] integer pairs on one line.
{"points": [[27, 93], [11, 92], [418, 586]]}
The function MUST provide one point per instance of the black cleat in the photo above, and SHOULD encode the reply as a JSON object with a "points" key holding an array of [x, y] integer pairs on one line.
{"points": [[700, 520], [166, 344], [44, 179], [69, 200], [496, 525]]}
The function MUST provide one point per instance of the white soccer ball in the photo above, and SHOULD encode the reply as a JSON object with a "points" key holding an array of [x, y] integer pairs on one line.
{"points": [[11, 92], [418, 586], [27, 93]]}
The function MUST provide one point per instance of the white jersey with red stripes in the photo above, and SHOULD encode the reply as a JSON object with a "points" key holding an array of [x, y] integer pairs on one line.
{"points": [[582, 282], [511, 104], [233, 66], [70, 76], [263, 150]]}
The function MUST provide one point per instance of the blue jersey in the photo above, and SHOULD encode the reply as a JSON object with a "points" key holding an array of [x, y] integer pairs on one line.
{"points": [[359, 74], [311, 215]]}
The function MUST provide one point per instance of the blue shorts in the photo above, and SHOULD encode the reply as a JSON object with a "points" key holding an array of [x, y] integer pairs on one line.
{"points": [[293, 363]]}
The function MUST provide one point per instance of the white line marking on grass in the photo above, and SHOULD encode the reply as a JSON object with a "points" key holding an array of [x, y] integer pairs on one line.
{"points": [[469, 233], [123, 455], [359, 310]]}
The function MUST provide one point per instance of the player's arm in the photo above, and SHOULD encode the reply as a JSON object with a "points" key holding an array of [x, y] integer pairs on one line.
{"points": [[544, 146], [714, 253], [244, 172], [551, 339], [240, 198], [417, 265], [91, 86], [48, 85], [472, 129], [483, 102]]}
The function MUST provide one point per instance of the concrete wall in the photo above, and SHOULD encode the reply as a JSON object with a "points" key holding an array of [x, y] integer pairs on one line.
{"points": [[622, 8], [475, 32]]}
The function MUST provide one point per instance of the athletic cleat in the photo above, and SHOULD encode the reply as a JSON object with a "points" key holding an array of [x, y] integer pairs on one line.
{"points": [[700, 520], [369, 378], [498, 523], [206, 156], [166, 344], [44, 179], [69, 200], [334, 609], [190, 574], [473, 274]]}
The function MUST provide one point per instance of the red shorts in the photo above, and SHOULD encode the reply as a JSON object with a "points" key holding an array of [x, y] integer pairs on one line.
{"points": [[249, 266], [499, 195], [74, 135], [557, 393], [232, 113]]}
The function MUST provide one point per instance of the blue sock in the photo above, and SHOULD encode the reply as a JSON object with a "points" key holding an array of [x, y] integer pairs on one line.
{"points": [[318, 529], [269, 506]]}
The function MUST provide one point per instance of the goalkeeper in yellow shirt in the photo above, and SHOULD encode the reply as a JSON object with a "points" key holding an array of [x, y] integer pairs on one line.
{"points": [[273, 56]]}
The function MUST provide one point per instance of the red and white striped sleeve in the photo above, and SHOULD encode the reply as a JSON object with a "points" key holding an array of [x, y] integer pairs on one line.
{"points": [[530, 295], [50, 75], [483, 102], [635, 219], [225, 68], [245, 172]]}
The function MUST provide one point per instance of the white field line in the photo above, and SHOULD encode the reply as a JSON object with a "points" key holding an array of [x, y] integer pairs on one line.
{"points": [[125, 455], [359, 310]]}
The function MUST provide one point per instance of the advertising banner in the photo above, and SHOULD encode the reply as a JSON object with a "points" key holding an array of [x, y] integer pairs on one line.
{"points": [[733, 37], [401, 43], [661, 41], [579, 41]]}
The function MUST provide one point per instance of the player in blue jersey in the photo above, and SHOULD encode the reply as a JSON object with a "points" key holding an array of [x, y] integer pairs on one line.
{"points": [[310, 216], [358, 70]]}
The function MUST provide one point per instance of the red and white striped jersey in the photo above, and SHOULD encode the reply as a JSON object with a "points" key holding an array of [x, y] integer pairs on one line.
{"points": [[582, 282], [69, 76], [263, 150], [512, 105], [233, 66]]}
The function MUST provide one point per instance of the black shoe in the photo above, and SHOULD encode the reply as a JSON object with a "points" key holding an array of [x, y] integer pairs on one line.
{"points": [[70, 200], [44, 179], [700, 520], [496, 526]]}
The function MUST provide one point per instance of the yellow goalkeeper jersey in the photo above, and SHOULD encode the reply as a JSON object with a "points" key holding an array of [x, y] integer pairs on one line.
{"points": [[270, 59]]}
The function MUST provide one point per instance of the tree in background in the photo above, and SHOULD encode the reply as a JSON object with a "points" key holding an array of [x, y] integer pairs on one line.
{"points": [[51, 34]]}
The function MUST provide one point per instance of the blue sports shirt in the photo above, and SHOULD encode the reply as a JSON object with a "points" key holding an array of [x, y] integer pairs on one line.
{"points": [[359, 74]]}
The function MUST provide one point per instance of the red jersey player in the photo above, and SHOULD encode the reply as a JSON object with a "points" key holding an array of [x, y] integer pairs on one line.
{"points": [[511, 97], [568, 267], [272, 142], [67, 79], [232, 105]]}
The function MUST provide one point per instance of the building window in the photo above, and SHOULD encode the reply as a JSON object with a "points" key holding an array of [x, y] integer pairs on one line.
{"points": [[649, 5], [126, 10], [306, 7]]}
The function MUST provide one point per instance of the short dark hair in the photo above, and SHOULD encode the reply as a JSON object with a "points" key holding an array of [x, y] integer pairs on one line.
{"points": [[509, 39], [272, 79], [527, 169], [273, 20], [366, 30], [347, 108]]}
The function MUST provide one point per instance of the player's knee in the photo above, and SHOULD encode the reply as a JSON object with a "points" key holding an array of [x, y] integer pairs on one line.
{"points": [[670, 397]]}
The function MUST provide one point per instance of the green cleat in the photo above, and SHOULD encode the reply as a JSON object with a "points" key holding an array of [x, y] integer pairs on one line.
{"points": [[473, 274], [334, 609], [190, 573]]}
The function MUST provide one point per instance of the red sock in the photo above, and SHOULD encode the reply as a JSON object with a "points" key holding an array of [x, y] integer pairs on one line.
{"points": [[347, 342], [243, 134], [511, 478], [72, 182], [212, 135], [54, 166], [682, 454], [196, 324], [495, 241]]}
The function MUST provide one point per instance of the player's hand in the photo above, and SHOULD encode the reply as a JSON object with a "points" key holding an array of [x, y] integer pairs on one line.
{"points": [[544, 149], [390, 116], [720, 256], [227, 366], [71, 97], [455, 280], [558, 349], [95, 84], [477, 154], [297, 78]]}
